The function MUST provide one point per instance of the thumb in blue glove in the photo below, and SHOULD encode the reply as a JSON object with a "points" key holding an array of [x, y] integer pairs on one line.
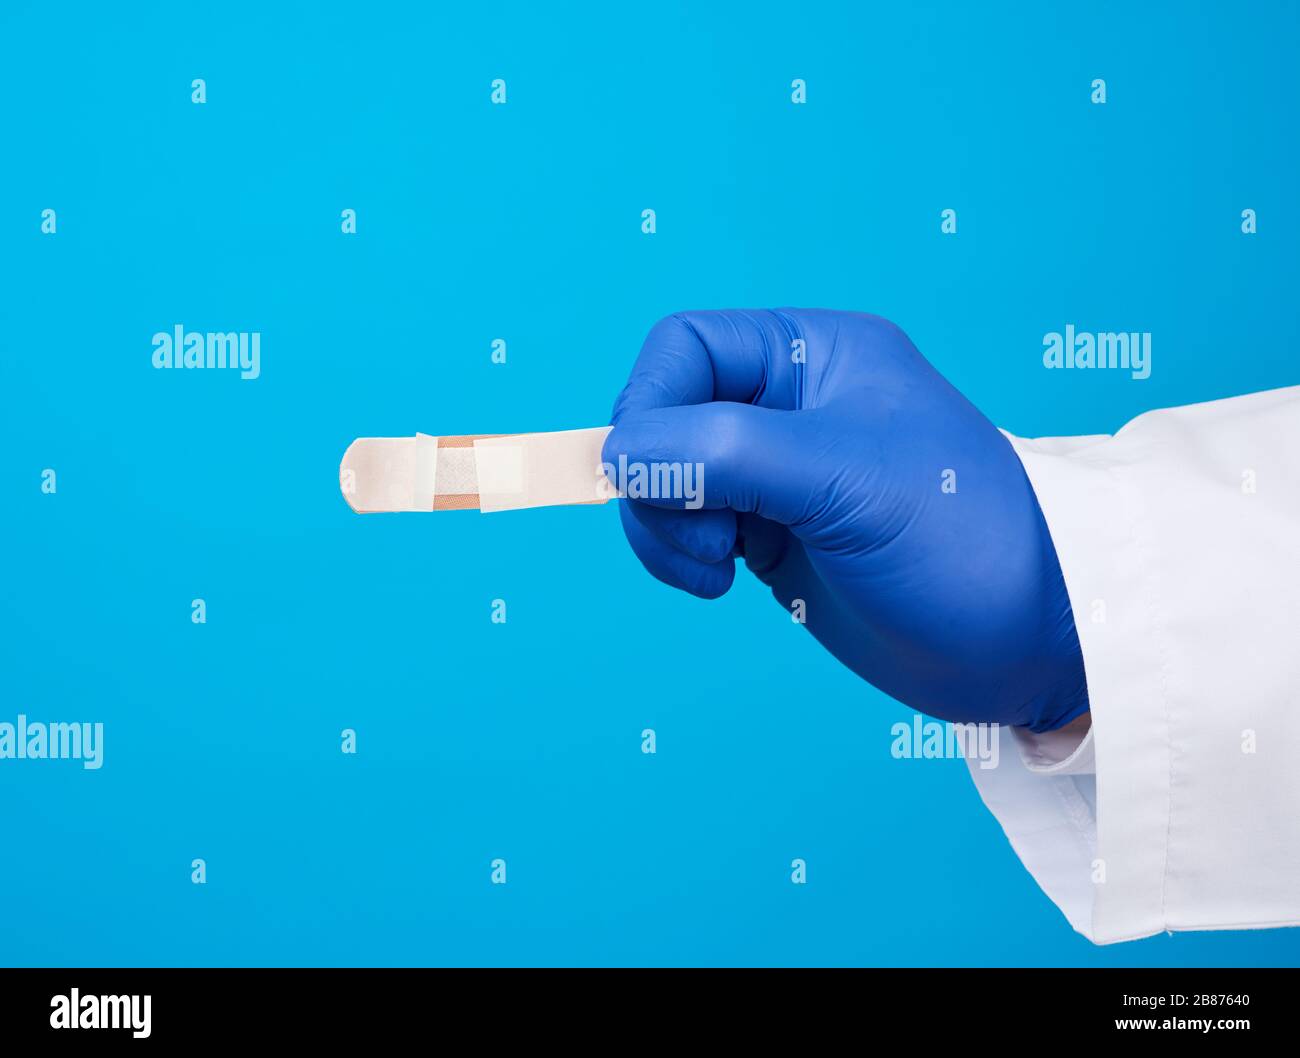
{"points": [[851, 476]]}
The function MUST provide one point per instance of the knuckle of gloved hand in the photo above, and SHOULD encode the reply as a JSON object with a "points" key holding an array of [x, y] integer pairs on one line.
{"points": [[888, 329], [675, 328], [641, 391]]}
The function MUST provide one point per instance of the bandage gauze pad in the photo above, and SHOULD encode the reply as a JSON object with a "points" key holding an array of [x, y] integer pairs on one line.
{"points": [[487, 472]]}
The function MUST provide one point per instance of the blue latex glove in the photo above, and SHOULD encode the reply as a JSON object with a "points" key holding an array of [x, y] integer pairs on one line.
{"points": [[827, 476]]}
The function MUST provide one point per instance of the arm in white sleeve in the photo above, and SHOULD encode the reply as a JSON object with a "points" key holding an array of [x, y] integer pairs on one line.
{"points": [[1179, 540]]}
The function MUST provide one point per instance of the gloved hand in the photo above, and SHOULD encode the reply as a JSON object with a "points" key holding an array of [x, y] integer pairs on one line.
{"points": [[824, 467]]}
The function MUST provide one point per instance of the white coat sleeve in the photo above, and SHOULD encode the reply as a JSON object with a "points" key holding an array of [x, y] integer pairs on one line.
{"points": [[1176, 804]]}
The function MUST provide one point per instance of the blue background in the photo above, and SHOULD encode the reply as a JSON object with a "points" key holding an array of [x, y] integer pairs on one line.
{"points": [[522, 222]]}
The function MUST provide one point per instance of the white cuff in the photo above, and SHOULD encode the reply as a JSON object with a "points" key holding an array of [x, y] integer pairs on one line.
{"points": [[1177, 539]]}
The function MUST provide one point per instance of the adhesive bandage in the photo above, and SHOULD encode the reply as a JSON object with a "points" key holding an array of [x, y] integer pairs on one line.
{"points": [[486, 472]]}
